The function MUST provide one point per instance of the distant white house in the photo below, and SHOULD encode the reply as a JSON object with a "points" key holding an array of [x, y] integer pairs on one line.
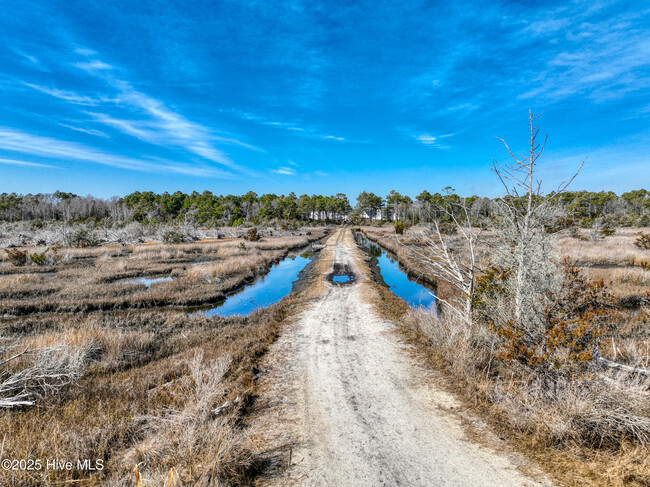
{"points": [[327, 215], [374, 215]]}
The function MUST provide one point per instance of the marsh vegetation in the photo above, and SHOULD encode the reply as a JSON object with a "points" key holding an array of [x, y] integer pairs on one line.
{"points": [[96, 365]]}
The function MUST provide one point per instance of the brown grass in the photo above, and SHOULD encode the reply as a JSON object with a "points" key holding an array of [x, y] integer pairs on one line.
{"points": [[615, 249], [585, 432], [153, 378], [92, 279]]}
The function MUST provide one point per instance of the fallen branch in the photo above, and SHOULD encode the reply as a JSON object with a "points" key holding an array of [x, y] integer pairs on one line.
{"points": [[626, 368]]}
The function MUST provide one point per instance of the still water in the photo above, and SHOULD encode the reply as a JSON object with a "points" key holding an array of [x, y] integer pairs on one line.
{"points": [[147, 281], [264, 291], [412, 291]]}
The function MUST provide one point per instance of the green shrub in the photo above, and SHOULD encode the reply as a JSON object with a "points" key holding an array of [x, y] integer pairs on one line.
{"points": [[643, 242], [587, 223], [36, 224], [242, 245], [38, 258], [399, 227]]}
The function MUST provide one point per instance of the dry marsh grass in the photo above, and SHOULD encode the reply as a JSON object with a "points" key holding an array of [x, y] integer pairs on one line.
{"points": [[93, 279], [237, 264], [618, 248], [592, 429], [147, 399]]}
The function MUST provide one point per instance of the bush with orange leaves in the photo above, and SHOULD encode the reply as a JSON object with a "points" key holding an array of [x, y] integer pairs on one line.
{"points": [[575, 320]]}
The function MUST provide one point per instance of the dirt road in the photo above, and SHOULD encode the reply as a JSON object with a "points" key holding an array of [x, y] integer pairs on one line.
{"points": [[357, 411]]}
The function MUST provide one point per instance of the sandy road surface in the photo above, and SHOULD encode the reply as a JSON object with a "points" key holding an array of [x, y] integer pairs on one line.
{"points": [[356, 409]]}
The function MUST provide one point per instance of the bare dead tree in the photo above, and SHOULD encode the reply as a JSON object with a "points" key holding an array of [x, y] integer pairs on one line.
{"points": [[452, 259], [525, 246]]}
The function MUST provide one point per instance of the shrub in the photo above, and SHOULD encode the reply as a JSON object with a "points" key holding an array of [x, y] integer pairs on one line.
{"points": [[399, 227], [83, 238], [173, 237], [607, 231], [36, 224], [38, 258], [575, 233], [16, 256], [643, 242], [600, 230], [252, 235], [587, 223], [242, 245], [447, 228], [573, 321], [559, 224], [490, 285]]}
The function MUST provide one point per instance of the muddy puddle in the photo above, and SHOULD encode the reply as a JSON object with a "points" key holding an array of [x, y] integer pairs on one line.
{"points": [[341, 275], [413, 291]]}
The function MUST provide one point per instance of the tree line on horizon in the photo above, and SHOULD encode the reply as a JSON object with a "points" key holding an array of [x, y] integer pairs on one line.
{"points": [[631, 208]]}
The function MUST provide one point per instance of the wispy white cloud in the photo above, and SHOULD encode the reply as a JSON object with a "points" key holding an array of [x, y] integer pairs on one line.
{"points": [[302, 131], [140, 129], [285, 171], [600, 57], [426, 139], [98, 133], [93, 66], [85, 51], [432, 141], [468, 107], [596, 52], [166, 127], [161, 126], [15, 162], [69, 96], [31, 61], [61, 150]]}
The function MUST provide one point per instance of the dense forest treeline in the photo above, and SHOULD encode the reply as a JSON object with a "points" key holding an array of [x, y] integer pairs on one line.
{"points": [[207, 209]]}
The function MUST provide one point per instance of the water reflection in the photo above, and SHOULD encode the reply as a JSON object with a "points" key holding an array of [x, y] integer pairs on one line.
{"points": [[264, 291], [414, 292]]}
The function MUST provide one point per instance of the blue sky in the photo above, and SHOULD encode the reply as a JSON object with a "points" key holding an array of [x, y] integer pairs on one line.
{"points": [[318, 97]]}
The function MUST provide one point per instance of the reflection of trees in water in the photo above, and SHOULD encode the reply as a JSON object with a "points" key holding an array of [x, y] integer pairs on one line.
{"points": [[365, 244], [374, 251]]}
